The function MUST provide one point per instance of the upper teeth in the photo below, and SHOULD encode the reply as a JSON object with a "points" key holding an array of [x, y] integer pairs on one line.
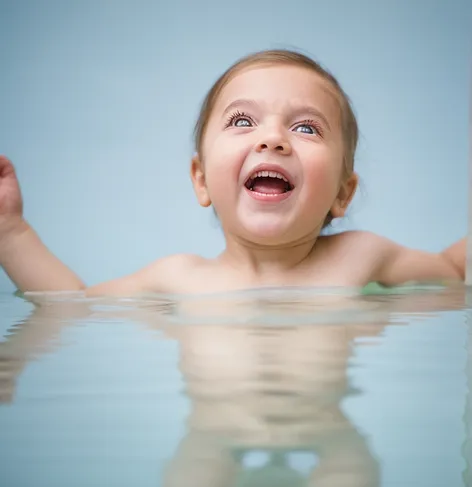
{"points": [[269, 174]]}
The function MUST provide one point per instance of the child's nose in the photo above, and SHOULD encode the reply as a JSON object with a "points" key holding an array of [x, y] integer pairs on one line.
{"points": [[274, 142]]}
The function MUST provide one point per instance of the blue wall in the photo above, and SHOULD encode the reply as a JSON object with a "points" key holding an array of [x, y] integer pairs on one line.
{"points": [[98, 101]]}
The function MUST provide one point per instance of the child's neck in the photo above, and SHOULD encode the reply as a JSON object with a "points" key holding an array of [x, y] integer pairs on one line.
{"points": [[267, 260]]}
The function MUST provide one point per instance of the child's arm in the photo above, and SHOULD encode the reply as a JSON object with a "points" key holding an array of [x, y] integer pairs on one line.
{"points": [[31, 266], [456, 254], [397, 264], [23, 256]]}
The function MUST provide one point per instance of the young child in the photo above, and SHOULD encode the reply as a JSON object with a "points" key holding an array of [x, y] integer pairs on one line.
{"points": [[275, 146]]}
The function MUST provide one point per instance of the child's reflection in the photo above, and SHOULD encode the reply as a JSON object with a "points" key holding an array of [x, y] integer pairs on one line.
{"points": [[278, 390]]}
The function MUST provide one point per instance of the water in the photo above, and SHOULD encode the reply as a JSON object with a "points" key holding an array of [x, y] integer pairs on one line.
{"points": [[263, 388]]}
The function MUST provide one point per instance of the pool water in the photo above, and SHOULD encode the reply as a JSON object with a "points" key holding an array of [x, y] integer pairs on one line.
{"points": [[278, 387]]}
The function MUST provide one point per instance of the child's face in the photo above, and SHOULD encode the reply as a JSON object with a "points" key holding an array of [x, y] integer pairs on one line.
{"points": [[288, 118]]}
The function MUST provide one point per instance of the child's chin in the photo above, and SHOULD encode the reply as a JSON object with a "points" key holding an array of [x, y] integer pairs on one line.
{"points": [[267, 230]]}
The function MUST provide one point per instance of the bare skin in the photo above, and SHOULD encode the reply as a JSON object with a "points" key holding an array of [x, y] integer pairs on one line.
{"points": [[282, 117]]}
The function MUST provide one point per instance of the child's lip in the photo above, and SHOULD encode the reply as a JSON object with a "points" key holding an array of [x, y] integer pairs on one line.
{"points": [[268, 198]]}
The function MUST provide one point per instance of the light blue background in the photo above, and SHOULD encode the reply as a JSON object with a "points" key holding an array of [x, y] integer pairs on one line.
{"points": [[98, 100]]}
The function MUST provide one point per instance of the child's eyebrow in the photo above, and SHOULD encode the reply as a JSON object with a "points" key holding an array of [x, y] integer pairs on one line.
{"points": [[297, 111], [240, 103]]}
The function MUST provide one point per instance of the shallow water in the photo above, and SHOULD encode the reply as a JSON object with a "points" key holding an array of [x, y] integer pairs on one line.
{"points": [[261, 388]]}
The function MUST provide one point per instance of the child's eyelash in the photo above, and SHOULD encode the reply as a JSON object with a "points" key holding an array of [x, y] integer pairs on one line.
{"points": [[235, 116]]}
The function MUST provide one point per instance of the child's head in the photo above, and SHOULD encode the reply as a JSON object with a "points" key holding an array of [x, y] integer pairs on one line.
{"points": [[277, 111]]}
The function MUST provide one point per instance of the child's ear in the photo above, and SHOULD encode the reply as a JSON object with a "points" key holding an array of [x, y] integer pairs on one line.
{"points": [[198, 180], [345, 195]]}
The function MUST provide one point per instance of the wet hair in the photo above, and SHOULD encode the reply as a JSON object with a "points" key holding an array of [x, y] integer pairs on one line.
{"points": [[349, 127]]}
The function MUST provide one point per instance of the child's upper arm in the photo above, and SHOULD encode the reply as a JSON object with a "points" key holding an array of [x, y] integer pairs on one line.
{"points": [[396, 264]]}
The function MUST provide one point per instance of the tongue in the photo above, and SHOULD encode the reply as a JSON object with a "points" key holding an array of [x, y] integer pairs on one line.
{"points": [[269, 185]]}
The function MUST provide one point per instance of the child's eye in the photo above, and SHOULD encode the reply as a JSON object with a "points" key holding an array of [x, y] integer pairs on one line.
{"points": [[239, 119], [308, 127]]}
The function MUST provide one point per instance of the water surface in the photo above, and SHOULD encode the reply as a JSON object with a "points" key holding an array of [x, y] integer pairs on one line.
{"points": [[280, 387]]}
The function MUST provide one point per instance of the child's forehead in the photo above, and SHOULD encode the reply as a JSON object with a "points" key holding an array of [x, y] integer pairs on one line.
{"points": [[280, 85]]}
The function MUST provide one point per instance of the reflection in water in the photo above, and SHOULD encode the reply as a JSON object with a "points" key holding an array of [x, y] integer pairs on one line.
{"points": [[273, 389], [266, 374]]}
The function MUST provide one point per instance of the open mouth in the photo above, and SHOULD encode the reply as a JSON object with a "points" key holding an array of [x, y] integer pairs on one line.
{"points": [[269, 182]]}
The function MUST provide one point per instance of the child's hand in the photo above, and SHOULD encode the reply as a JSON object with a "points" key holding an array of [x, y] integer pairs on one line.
{"points": [[11, 202]]}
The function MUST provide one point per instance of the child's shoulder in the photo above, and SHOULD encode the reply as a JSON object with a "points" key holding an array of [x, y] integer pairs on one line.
{"points": [[164, 275], [177, 261], [360, 254], [174, 266], [391, 263], [357, 240]]}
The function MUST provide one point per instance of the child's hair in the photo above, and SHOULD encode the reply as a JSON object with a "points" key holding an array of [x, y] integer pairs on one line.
{"points": [[349, 125]]}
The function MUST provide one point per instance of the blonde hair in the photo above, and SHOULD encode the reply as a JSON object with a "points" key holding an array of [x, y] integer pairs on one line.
{"points": [[349, 127]]}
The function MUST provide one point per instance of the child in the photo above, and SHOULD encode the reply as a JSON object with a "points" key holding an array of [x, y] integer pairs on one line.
{"points": [[275, 146]]}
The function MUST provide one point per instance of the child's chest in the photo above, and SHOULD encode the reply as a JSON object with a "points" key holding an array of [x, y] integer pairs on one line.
{"points": [[330, 273]]}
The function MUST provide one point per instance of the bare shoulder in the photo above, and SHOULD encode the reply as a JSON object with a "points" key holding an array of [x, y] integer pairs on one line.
{"points": [[356, 241], [161, 276], [391, 263], [175, 262], [166, 275]]}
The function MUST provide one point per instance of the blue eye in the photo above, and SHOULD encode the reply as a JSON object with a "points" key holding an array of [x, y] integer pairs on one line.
{"points": [[308, 127], [305, 129], [239, 119], [242, 122]]}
